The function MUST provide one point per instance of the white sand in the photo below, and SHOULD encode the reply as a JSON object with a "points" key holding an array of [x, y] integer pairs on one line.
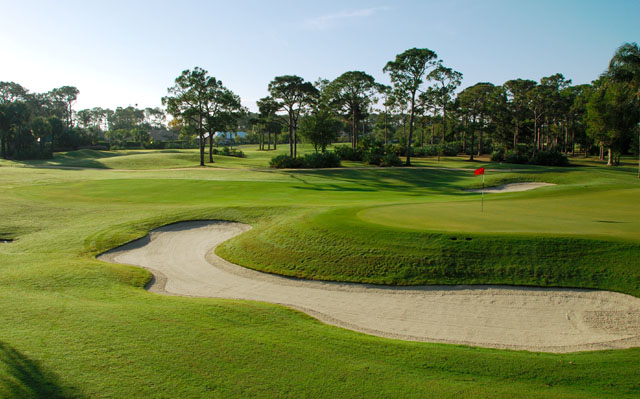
{"points": [[551, 320], [510, 188]]}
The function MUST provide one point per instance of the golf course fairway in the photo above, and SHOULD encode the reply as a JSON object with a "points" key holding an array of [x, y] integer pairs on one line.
{"points": [[75, 326]]}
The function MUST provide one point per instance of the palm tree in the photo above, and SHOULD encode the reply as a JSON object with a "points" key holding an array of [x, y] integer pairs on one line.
{"points": [[625, 65]]}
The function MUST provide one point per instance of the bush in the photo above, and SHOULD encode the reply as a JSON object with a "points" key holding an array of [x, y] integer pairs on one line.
{"points": [[317, 160], [549, 158], [346, 153], [374, 156], [429, 150], [390, 159], [450, 149], [286, 162], [514, 157], [498, 155], [322, 160]]}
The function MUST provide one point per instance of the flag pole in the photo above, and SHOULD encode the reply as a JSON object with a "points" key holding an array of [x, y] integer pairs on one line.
{"points": [[482, 209]]}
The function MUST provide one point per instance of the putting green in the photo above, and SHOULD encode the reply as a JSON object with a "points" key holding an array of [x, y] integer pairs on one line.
{"points": [[605, 214]]}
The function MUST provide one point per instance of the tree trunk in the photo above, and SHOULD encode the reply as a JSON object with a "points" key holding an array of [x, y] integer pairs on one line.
{"points": [[269, 142], [201, 148], [566, 135], [480, 149], [444, 122], [210, 147], [609, 158], [464, 136], [473, 137], [385, 127], [515, 135], [275, 140], [290, 135], [413, 99], [354, 130]]}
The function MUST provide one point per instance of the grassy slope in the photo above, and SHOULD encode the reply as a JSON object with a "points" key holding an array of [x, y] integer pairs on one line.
{"points": [[73, 326]]}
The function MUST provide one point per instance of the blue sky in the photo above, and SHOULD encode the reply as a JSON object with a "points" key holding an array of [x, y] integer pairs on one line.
{"points": [[121, 53]]}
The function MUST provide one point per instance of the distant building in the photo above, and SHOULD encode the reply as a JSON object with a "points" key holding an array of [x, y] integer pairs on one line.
{"points": [[231, 136]]}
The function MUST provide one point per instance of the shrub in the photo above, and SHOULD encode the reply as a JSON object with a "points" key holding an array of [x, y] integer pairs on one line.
{"points": [[498, 155], [429, 150], [450, 149], [550, 158], [374, 156], [286, 162], [317, 160], [322, 160], [514, 157], [229, 152], [346, 153], [390, 159]]}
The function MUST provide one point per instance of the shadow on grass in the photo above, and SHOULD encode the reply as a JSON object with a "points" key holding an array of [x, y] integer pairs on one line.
{"points": [[21, 377], [408, 180]]}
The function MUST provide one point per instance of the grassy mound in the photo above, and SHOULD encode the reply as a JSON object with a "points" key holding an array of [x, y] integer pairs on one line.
{"points": [[335, 245]]}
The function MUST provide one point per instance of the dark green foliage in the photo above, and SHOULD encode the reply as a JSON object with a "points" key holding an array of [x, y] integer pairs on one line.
{"points": [[286, 162], [325, 159], [446, 149], [346, 153], [515, 157], [390, 159], [312, 161], [498, 155], [549, 158], [229, 152]]}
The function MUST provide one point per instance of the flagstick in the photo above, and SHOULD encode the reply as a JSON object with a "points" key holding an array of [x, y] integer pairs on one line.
{"points": [[482, 209]]}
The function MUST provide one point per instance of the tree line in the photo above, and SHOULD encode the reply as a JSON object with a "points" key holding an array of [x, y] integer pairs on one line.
{"points": [[34, 125], [421, 108], [421, 112]]}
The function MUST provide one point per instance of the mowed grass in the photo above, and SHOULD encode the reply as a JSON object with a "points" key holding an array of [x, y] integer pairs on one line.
{"points": [[581, 213], [71, 326]]}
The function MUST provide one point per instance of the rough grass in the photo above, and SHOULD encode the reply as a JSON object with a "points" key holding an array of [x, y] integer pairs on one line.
{"points": [[71, 326]]}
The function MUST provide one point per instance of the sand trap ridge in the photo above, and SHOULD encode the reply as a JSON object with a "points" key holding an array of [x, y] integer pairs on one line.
{"points": [[510, 187], [552, 320]]}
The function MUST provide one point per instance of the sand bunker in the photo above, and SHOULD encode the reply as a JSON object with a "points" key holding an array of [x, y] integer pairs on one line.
{"points": [[510, 188], [551, 320]]}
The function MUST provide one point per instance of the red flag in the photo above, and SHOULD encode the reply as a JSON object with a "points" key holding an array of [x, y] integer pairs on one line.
{"points": [[479, 171]]}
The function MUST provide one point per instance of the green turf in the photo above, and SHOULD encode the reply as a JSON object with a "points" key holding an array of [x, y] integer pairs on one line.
{"points": [[73, 326]]}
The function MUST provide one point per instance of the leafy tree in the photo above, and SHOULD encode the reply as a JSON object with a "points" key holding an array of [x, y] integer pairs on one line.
{"points": [[155, 118], [293, 95], [516, 91], [351, 94], [188, 100], [222, 109], [447, 81], [65, 96], [625, 66], [408, 72], [57, 129], [612, 115], [557, 105], [41, 128], [11, 92], [475, 101], [268, 108], [320, 128]]}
